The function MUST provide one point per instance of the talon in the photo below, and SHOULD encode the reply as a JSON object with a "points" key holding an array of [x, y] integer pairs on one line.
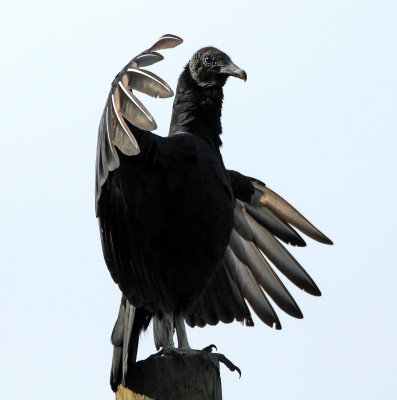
{"points": [[209, 348], [221, 358]]}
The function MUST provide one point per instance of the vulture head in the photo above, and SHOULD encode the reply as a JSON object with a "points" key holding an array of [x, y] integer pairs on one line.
{"points": [[210, 67]]}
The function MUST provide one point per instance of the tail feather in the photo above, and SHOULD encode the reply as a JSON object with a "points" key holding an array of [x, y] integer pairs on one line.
{"points": [[130, 323]]}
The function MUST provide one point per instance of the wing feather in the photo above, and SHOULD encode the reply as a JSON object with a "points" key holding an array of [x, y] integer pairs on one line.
{"points": [[258, 224], [108, 151], [147, 83], [122, 105], [166, 42], [279, 228], [210, 308], [132, 110], [251, 290], [248, 253], [146, 59], [284, 210], [225, 297], [280, 257], [122, 137]]}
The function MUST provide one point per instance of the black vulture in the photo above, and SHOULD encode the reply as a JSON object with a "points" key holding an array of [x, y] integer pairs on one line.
{"points": [[185, 239]]}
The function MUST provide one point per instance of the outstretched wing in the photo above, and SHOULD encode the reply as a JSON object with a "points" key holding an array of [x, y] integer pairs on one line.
{"points": [[124, 128], [253, 252], [122, 105]]}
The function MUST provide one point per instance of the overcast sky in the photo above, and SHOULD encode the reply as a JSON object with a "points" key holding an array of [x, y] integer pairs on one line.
{"points": [[316, 120]]}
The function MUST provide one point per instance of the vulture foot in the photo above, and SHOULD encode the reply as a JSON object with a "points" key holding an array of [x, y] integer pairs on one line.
{"points": [[206, 352]]}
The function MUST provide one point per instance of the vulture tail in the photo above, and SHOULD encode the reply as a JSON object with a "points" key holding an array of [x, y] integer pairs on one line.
{"points": [[130, 323]]}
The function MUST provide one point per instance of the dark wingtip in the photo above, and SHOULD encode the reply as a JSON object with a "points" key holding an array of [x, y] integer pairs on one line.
{"points": [[299, 242], [249, 322], [321, 238], [295, 312], [298, 315], [313, 290]]}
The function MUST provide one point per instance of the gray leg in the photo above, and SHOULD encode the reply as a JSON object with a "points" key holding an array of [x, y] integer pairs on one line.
{"points": [[163, 330], [181, 331]]}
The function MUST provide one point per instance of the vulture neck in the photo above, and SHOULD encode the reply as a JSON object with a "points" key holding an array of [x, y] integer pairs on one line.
{"points": [[197, 110]]}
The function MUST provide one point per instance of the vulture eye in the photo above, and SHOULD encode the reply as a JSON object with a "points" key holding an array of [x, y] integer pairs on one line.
{"points": [[211, 61]]}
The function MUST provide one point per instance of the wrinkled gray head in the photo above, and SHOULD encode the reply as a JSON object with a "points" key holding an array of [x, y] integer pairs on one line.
{"points": [[210, 67]]}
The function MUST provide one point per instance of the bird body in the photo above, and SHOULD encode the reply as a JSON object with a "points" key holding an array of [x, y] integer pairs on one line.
{"points": [[174, 211], [186, 239]]}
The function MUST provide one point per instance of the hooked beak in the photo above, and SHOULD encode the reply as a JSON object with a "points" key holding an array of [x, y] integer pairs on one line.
{"points": [[233, 70]]}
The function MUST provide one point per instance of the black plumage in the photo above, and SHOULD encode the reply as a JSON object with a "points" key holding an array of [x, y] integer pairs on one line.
{"points": [[184, 238]]}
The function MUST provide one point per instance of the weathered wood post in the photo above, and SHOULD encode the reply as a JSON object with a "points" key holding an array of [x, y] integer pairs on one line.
{"points": [[164, 377]]}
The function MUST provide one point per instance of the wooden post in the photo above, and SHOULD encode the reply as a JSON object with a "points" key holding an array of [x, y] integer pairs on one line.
{"points": [[164, 377]]}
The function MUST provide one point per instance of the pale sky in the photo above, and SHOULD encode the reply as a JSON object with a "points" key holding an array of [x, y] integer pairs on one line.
{"points": [[316, 120]]}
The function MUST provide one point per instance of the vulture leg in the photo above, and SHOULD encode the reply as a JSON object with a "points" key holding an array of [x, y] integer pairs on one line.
{"points": [[180, 328], [163, 330]]}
